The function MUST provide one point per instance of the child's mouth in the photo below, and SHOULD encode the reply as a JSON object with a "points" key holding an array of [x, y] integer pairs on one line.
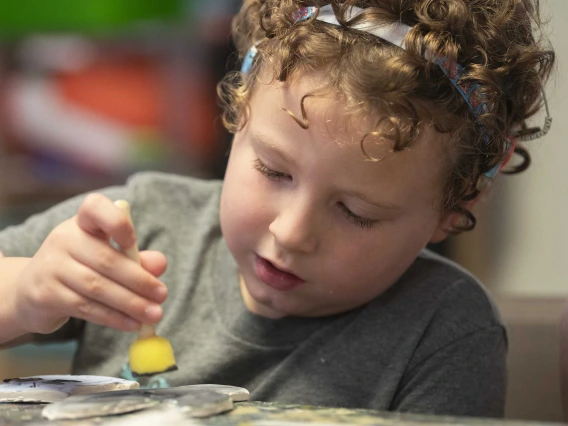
{"points": [[274, 277]]}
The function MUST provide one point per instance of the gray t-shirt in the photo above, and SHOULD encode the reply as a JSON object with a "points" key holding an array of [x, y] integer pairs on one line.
{"points": [[432, 343]]}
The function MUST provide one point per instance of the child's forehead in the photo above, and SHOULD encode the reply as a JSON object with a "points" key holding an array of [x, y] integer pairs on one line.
{"points": [[332, 125], [321, 104], [328, 110]]}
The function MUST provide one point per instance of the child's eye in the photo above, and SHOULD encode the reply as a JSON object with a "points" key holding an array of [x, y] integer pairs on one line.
{"points": [[269, 173], [357, 220]]}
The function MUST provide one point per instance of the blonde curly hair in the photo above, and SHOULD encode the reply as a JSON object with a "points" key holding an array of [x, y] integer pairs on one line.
{"points": [[497, 42]]}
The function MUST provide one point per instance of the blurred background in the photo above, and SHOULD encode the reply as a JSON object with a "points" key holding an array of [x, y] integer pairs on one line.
{"points": [[93, 91]]}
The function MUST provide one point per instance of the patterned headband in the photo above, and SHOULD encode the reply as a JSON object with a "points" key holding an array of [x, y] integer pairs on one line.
{"points": [[395, 33]]}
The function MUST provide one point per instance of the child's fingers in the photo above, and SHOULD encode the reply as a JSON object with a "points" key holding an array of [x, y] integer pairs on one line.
{"points": [[154, 262], [98, 288], [49, 308], [99, 216], [78, 306], [99, 256]]}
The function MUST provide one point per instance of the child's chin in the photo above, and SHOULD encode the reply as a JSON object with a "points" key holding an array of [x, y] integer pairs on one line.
{"points": [[258, 299]]}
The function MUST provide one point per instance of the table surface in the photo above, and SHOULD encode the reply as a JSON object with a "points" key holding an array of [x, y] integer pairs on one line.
{"points": [[256, 414]]}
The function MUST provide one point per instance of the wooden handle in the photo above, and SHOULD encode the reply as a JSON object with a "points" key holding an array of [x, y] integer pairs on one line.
{"points": [[146, 330], [130, 252]]}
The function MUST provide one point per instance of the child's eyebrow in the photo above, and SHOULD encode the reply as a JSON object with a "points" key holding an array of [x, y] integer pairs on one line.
{"points": [[262, 140], [383, 206]]}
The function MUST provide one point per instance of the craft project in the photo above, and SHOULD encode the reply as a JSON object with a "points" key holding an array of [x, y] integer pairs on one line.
{"points": [[189, 400], [53, 388], [237, 394]]}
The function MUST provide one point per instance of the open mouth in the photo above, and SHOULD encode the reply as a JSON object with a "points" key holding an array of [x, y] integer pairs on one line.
{"points": [[274, 277]]}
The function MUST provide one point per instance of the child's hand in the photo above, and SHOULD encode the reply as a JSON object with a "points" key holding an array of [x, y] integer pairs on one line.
{"points": [[77, 273]]}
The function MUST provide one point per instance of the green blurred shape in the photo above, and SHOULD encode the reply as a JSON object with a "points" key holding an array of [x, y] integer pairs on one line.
{"points": [[21, 17]]}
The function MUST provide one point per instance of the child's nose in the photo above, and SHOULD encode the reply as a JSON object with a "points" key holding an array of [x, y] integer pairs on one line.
{"points": [[294, 228]]}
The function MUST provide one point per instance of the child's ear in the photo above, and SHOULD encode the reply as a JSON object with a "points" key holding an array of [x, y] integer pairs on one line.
{"points": [[449, 220], [444, 227]]}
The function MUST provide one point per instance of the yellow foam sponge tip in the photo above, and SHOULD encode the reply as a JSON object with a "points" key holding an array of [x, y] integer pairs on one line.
{"points": [[151, 355]]}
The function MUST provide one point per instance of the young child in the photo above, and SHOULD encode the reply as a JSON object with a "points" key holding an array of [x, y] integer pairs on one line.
{"points": [[363, 131]]}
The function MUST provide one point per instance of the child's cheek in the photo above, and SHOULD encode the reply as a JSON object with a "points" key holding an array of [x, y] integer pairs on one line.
{"points": [[242, 212], [253, 211]]}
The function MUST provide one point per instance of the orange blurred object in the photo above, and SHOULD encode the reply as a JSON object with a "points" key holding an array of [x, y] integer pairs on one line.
{"points": [[128, 92], [134, 92]]}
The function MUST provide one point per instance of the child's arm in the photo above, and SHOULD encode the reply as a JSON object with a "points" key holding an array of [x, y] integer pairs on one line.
{"points": [[12, 333], [77, 273]]}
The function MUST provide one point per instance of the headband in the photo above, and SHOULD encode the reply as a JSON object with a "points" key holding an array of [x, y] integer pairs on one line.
{"points": [[395, 33]]}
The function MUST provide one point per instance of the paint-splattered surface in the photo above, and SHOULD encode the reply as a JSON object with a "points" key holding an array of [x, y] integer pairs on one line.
{"points": [[255, 414]]}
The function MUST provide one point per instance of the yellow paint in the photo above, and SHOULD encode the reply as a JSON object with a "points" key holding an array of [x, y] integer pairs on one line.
{"points": [[151, 355]]}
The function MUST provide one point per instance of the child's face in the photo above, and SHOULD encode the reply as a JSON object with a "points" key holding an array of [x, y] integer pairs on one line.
{"points": [[309, 203]]}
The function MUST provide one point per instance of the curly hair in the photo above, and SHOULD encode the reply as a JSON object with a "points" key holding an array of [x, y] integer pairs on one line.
{"points": [[497, 42]]}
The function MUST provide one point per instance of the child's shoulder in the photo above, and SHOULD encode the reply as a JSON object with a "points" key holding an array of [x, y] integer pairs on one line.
{"points": [[159, 185], [159, 192], [450, 293], [448, 277], [436, 297], [169, 200]]}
